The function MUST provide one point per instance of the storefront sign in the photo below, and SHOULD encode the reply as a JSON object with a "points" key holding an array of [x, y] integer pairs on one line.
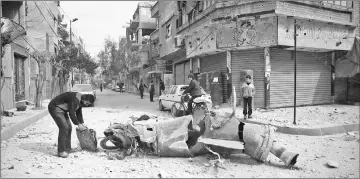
{"points": [[315, 34], [259, 32]]}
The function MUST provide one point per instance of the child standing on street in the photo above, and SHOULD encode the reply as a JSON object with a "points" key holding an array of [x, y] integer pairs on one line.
{"points": [[247, 92]]}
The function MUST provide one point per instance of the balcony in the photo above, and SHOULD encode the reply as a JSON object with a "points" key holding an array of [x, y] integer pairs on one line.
{"points": [[155, 35], [155, 10], [134, 24]]}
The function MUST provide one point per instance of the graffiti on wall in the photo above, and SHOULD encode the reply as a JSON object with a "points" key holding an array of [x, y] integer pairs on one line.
{"points": [[254, 32], [315, 34]]}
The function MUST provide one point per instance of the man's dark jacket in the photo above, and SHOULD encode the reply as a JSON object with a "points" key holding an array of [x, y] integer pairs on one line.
{"points": [[193, 88], [162, 85], [70, 102], [152, 88]]}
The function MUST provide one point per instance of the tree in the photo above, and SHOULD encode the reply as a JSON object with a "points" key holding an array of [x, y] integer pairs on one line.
{"points": [[41, 60], [62, 64]]}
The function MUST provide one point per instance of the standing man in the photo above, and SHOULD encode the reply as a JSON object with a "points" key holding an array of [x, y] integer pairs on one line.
{"points": [[162, 86], [247, 92], [60, 108], [101, 87], [141, 88], [194, 90], [152, 91]]}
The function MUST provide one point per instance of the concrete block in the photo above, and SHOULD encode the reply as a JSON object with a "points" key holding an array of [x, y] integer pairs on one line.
{"points": [[291, 131], [311, 132], [351, 127], [328, 130]]}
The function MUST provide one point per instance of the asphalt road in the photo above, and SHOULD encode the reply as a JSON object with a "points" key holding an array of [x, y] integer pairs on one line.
{"points": [[116, 100]]}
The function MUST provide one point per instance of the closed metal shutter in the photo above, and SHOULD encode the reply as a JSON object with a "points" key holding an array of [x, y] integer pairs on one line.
{"points": [[313, 81], [187, 72], [249, 60], [215, 62], [179, 74]]}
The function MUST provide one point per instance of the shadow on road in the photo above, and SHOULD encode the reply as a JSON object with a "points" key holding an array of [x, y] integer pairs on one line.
{"points": [[41, 147]]}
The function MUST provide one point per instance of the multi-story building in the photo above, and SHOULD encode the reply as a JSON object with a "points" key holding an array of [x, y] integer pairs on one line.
{"points": [[42, 34], [235, 38], [141, 26], [164, 47], [16, 59], [40, 20]]}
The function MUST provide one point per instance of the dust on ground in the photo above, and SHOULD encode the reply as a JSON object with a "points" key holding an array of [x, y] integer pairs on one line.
{"points": [[34, 156], [306, 117]]}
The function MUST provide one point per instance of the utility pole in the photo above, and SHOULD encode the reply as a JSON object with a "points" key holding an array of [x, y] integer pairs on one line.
{"points": [[72, 69], [2, 75], [295, 35]]}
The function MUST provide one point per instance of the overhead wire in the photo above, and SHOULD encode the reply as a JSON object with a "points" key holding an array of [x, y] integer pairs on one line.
{"points": [[46, 19]]}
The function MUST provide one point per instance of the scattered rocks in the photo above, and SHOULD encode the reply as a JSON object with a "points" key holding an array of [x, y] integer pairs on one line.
{"points": [[163, 174], [23, 136], [332, 164]]}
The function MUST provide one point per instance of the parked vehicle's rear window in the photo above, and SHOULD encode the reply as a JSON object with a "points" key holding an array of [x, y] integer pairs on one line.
{"points": [[82, 88]]}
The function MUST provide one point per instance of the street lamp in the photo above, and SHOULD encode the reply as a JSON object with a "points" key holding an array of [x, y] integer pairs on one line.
{"points": [[72, 70]]}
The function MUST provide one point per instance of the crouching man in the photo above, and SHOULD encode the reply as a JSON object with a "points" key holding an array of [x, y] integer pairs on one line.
{"points": [[60, 108]]}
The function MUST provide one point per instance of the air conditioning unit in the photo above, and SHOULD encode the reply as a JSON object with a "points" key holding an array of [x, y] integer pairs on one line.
{"points": [[179, 41]]}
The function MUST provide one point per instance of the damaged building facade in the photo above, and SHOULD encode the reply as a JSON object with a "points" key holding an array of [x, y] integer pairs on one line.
{"points": [[18, 67], [138, 33], [223, 41]]}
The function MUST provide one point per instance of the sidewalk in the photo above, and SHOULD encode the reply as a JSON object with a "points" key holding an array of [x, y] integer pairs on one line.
{"points": [[310, 120], [21, 119]]}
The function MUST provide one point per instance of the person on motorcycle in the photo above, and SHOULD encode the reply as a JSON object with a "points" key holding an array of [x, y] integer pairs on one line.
{"points": [[60, 108], [195, 91]]}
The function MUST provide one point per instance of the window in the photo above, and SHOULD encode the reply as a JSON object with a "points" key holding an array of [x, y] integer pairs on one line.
{"points": [[173, 90], [191, 15], [341, 3], [168, 30]]}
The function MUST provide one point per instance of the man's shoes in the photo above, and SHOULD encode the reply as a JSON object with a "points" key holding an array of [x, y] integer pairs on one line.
{"points": [[244, 117], [250, 117], [71, 150], [63, 154]]}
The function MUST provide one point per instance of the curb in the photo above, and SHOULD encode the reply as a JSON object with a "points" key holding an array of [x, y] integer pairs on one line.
{"points": [[12, 130], [313, 131]]}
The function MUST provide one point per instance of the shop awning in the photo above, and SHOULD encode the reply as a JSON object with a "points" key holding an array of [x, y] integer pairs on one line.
{"points": [[153, 72]]}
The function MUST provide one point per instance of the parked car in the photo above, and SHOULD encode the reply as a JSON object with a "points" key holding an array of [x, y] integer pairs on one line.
{"points": [[172, 95], [85, 89]]}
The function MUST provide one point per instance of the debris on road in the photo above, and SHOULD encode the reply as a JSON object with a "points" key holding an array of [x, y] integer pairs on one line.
{"points": [[163, 174], [332, 164], [23, 136]]}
